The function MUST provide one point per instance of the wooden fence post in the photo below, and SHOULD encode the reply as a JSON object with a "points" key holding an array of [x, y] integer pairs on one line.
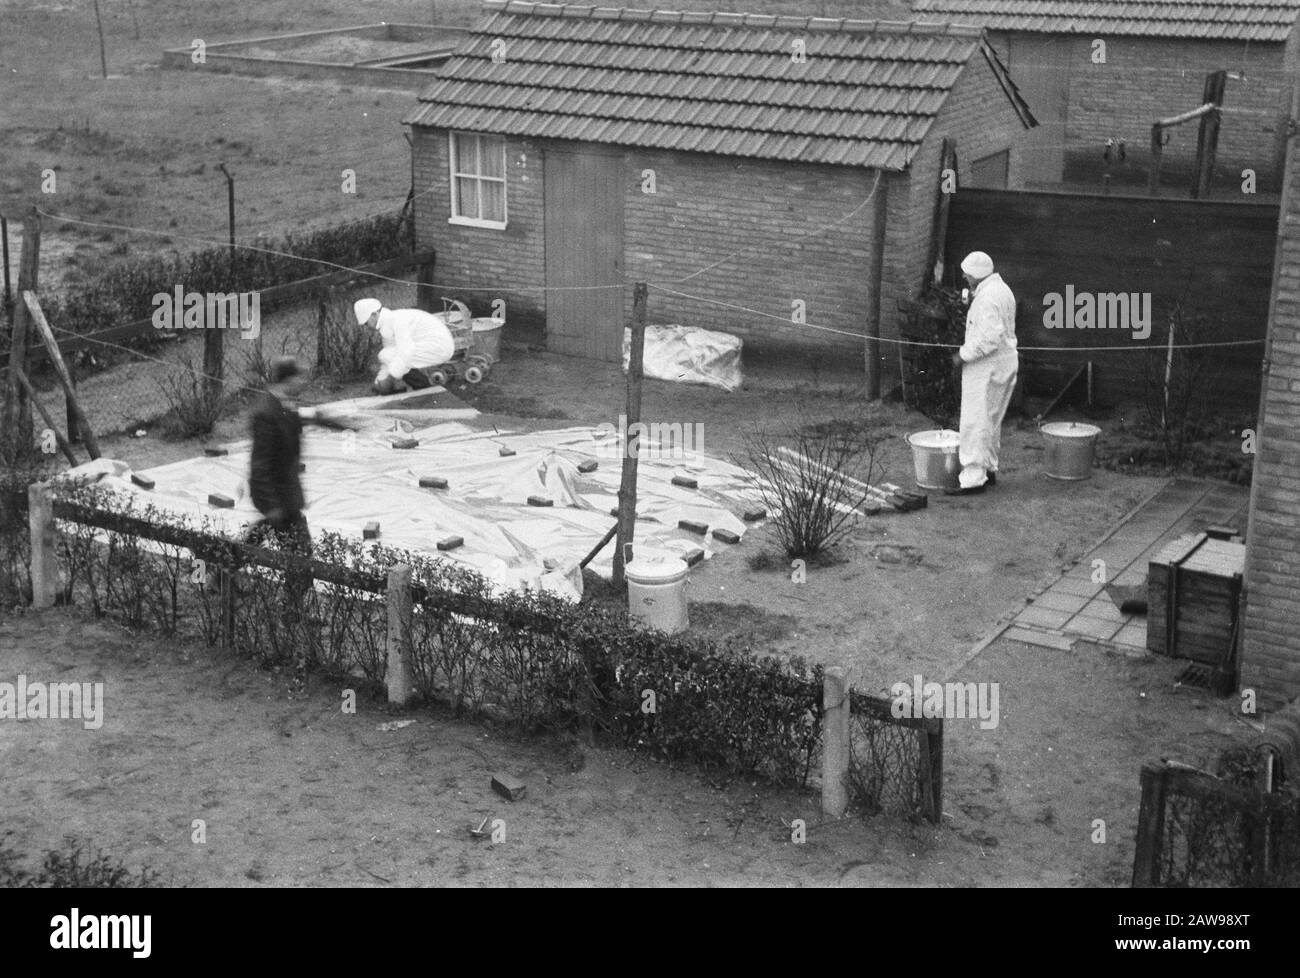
{"points": [[836, 707], [17, 421], [1207, 136], [61, 371], [1157, 157], [399, 634], [1151, 825], [932, 769], [627, 484], [44, 563]]}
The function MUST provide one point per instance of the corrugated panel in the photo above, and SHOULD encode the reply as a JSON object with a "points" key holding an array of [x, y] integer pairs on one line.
{"points": [[866, 95], [1244, 20]]}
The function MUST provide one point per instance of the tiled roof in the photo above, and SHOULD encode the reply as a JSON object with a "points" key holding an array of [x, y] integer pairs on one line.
{"points": [[709, 82], [1217, 20]]}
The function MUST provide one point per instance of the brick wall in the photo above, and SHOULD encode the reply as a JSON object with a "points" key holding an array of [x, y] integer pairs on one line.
{"points": [[1144, 80], [982, 121], [800, 232], [1271, 649], [507, 264], [797, 231]]}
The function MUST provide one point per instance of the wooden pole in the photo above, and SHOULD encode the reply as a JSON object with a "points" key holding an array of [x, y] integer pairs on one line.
{"points": [[31, 394], [4, 261], [70, 410], [598, 547], [876, 307], [1157, 157], [836, 707], [44, 564], [214, 359], [1207, 138], [398, 676], [1151, 825], [17, 411], [932, 769], [61, 371], [632, 445], [939, 227], [99, 23]]}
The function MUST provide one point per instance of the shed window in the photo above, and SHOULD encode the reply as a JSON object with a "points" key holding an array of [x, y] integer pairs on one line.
{"points": [[478, 179]]}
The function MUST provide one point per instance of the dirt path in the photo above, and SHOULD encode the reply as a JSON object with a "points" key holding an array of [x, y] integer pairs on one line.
{"points": [[297, 793]]}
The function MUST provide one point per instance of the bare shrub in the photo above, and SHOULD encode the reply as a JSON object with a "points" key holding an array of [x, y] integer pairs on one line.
{"points": [[344, 350], [192, 409], [811, 480], [1175, 382]]}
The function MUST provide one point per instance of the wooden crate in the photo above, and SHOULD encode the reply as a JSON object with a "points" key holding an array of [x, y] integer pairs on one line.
{"points": [[1193, 593]]}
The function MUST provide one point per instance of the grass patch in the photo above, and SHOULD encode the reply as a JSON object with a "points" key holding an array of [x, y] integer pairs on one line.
{"points": [[745, 624], [71, 866]]}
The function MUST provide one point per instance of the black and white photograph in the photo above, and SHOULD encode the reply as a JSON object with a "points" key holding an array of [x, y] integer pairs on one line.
{"points": [[772, 444]]}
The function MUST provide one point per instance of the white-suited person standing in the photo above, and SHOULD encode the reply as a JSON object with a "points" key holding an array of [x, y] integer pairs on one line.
{"points": [[414, 340], [989, 362]]}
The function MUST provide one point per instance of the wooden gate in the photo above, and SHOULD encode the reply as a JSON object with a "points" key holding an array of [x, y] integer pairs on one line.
{"points": [[584, 247]]}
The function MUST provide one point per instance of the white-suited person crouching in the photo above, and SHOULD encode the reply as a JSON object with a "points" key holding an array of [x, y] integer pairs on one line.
{"points": [[414, 341]]}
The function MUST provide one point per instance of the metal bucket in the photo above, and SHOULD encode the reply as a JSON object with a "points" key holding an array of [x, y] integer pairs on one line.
{"points": [[934, 454], [1070, 450], [487, 337], [656, 591]]}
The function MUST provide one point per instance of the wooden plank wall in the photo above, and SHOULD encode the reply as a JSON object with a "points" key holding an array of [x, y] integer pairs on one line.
{"points": [[1216, 256]]}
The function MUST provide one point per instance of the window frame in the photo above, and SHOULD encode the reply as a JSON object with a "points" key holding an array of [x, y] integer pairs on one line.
{"points": [[454, 146]]}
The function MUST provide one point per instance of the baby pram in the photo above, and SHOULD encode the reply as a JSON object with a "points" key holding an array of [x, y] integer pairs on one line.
{"points": [[469, 360]]}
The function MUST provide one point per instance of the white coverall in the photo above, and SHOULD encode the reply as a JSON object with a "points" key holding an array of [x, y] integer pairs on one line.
{"points": [[413, 339], [987, 378]]}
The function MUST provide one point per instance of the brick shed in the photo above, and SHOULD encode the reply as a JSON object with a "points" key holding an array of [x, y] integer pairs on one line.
{"points": [[1157, 54], [739, 160], [1270, 658]]}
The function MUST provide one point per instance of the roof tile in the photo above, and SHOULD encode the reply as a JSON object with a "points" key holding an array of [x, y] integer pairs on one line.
{"points": [[1248, 20], [722, 83]]}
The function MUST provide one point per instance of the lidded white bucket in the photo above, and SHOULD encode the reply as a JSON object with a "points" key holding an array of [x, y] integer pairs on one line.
{"points": [[656, 591], [934, 455]]}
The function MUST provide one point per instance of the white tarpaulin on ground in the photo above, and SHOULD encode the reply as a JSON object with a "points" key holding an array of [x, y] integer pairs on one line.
{"points": [[690, 355], [352, 478]]}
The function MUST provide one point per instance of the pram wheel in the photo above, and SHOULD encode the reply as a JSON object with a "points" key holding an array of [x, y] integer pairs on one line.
{"points": [[474, 374], [439, 377]]}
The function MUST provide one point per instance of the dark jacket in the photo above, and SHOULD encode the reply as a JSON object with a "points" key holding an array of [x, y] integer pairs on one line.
{"points": [[277, 438]]}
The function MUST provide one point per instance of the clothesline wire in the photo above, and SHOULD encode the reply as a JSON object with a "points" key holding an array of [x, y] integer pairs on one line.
{"points": [[949, 346]]}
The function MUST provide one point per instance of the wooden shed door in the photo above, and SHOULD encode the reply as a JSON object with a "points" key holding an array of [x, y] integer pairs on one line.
{"points": [[584, 246]]}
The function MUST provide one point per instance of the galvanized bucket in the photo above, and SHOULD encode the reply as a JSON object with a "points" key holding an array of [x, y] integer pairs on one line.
{"points": [[1071, 446]]}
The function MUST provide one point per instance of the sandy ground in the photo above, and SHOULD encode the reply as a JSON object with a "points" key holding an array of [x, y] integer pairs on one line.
{"points": [[298, 793], [295, 792]]}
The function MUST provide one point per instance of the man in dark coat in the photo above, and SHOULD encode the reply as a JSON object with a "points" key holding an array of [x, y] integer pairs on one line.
{"points": [[276, 491]]}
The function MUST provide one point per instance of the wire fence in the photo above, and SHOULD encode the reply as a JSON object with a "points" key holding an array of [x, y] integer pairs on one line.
{"points": [[895, 765], [1197, 829]]}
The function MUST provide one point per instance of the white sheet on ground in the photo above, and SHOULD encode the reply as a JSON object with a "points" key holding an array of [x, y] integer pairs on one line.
{"points": [[352, 479], [690, 355]]}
